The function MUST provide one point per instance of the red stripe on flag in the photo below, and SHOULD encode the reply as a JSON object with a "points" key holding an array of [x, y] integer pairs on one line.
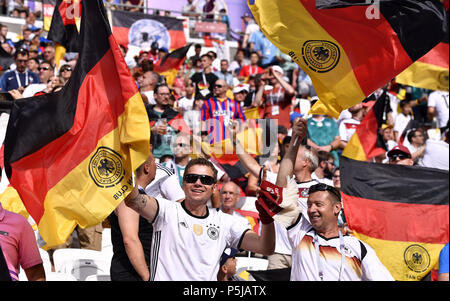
{"points": [[437, 56], [363, 43], [80, 141], [397, 221]]}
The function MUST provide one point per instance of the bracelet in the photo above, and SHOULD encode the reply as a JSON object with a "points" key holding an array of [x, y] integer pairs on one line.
{"points": [[331, 147]]}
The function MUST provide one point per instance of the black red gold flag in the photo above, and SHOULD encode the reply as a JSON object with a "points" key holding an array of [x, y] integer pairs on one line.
{"points": [[351, 48], [170, 64], [64, 29], [70, 154], [401, 211], [367, 143], [141, 30]]}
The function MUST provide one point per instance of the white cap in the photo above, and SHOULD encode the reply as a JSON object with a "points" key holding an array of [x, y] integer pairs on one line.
{"points": [[240, 88], [278, 69]]}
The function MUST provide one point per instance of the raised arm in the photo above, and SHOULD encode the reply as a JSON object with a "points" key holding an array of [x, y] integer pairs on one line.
{"points": [[145, 205], [288, 162], [129, 226]]}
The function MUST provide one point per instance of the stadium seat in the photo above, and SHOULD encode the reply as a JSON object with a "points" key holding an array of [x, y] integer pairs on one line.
{"points": [[98, 278], [81, 263], [54, 276], [251, 263]]}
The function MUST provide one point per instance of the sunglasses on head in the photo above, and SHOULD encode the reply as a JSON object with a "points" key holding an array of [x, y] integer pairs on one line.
{"points": [[400, 156], [204, 179], [325, 187]]}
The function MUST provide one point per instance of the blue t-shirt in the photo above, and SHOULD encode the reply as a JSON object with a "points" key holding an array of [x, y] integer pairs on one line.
{"points": [[443, 260], [267, 49], [8, 81]]}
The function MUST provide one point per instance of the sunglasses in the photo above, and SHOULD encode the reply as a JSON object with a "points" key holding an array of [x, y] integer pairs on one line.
{"points": [[218, 86], [398, 156], [66, 69], [325, 187], [43, 68], [204, 179]]}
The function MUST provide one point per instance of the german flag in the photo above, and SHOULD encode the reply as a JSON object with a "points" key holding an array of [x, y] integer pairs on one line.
{"points": [[252, 217], [351, 48], [401, 211], [367, 143], [70, 154], [140, 30], [430, 71], [170, 64]]}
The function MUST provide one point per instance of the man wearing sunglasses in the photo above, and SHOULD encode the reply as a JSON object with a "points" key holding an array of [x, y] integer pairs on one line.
{"points": [[400, 155], [21, 77], [46, 74], [189, 238], [219, 111]]}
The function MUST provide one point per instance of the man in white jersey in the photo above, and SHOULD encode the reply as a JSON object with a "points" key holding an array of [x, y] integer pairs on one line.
{"points": [[319, 250], [305, 165], [189, 238]]}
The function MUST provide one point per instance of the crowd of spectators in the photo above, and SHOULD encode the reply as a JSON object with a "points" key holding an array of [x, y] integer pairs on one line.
{"points": [[259, 78]]}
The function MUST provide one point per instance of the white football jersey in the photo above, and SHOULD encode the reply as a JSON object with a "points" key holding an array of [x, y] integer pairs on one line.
{"points": [[360, 261], [186, 247]]}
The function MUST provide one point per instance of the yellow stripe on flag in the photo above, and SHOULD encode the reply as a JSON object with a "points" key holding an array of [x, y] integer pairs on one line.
{"points": [[289, 27], [406, 261], [11, 201], [252, 113], [423, 75], [60, 52], [354, 149], [77, 195]]}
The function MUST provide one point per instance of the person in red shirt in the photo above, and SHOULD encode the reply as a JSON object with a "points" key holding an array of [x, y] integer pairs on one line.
{"points": [[276, 97], [251, 69]]}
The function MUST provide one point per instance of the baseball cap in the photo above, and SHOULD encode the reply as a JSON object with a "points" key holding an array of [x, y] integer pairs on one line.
{"points": [[295, 115], [228, 253], [399, 149], [240, 87], [278, 69], [245, 15], [155, 45]]}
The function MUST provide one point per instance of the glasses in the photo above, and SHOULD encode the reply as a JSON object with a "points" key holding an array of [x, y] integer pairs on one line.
{"points": [[394, 157], [204, 179], [66, 69], [43, 68], [218, 86], [325, 187]]}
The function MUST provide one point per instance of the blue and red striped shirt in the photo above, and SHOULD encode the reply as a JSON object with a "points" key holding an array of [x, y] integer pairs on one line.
{"points": [[217, 114]]}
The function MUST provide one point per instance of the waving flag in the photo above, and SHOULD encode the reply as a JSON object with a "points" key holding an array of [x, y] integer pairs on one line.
{"points": [[170, 64], [64, 28], [141, 30], [400, 211], [351, 48], [70, 154], [367, 143]]}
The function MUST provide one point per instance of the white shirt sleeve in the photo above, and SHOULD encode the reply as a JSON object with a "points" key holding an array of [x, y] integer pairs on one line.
{"points": [[372, 268], [171, 189]]}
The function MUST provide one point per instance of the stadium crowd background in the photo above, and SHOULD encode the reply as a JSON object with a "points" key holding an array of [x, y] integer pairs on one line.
{"points": [[286, 92]]}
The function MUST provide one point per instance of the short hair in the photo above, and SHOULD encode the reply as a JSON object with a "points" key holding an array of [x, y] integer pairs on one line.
{"points": [[159, 86], [197, 46], [47, 62], [254, 52], [206, 55], [21, 51], [238, 190], [411, 134], [310, 155], [404, 103], [332, 191], [200, 161], [34, 59], [324, 156]]}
